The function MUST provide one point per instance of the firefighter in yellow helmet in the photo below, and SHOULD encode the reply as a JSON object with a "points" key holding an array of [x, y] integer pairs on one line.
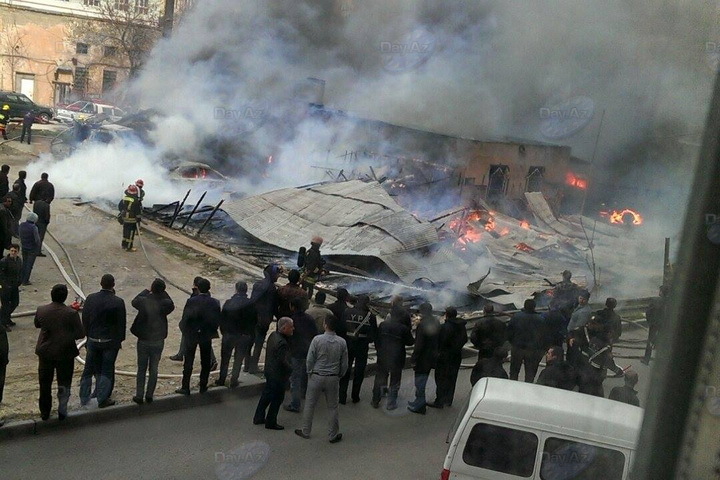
{"points": [[4, 119], [313, 265]]}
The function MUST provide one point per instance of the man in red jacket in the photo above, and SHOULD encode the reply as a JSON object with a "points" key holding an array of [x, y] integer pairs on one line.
{"points": [[59, 326]]}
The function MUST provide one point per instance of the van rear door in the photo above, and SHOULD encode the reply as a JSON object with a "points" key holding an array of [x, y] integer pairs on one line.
{"points": [[494, 451]]}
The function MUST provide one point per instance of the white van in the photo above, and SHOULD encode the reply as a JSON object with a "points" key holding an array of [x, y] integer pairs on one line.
{"points": [[514, 430]]}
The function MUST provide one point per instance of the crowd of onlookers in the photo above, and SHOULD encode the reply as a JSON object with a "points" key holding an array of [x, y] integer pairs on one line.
{"points": [[321, 349]]}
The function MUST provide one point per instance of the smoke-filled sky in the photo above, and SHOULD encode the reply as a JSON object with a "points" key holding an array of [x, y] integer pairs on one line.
{"points": [[543, 71], [479, 69]]}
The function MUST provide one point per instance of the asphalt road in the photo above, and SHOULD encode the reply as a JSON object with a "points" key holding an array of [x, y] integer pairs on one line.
{"points": [[220, 442]]}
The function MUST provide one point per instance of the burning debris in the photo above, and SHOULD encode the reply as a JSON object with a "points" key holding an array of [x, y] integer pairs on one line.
{"points": [[623, 217]]}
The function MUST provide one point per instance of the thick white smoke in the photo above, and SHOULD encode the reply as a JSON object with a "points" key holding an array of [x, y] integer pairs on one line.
{"points": [[226, 84]]}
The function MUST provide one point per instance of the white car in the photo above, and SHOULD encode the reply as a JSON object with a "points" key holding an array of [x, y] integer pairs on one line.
{"points": [[83, 110]]}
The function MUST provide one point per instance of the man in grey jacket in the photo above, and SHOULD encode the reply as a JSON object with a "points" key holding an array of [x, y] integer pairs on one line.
{"points": [[327, 362]]}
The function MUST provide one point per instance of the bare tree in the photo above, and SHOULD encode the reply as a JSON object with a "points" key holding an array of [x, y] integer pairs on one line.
{"points": [[12, 48], [132, 27]]}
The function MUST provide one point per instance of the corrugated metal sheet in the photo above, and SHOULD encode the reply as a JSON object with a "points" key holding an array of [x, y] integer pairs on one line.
{"points": [[354, 218]]}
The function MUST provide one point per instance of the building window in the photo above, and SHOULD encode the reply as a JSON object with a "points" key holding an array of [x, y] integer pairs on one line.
{"points": [[142, 6], [91, 3], [81, 79], [534, 179], [123, 5], [110, 51], [501, 449], [108, 81], [498, 181], [82, 48]]}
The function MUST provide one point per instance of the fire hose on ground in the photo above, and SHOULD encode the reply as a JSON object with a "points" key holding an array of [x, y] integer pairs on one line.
{"points": [[78, 290]]}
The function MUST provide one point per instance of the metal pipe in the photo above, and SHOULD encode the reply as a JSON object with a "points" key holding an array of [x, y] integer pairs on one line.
{"points": [[193, 210], [207, 220], [179, 207]]}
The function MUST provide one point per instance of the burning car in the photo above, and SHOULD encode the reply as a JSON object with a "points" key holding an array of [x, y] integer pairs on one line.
{"points": [[197, 172]]}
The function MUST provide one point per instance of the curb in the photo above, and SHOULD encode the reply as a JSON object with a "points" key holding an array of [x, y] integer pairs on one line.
{"points": [[80, 418], [214, 395]]}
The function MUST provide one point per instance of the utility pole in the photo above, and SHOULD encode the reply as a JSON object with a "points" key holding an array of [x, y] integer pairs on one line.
{"points": [[592, 162], [168, 18]]}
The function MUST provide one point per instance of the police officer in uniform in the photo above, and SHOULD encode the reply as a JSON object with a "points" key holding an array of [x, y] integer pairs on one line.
{"points": [[130, 210], [361, 327]]}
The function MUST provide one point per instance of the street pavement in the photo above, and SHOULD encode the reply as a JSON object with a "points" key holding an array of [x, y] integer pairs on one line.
{"points": [[220, 442]]}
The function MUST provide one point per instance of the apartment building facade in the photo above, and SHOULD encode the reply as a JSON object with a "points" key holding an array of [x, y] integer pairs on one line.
{"points": [[45, 55]]}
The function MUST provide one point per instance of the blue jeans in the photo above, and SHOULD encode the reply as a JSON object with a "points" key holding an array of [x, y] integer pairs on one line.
{"points": [[298, 382], [100, 360], [421, 380], [148, 355]]}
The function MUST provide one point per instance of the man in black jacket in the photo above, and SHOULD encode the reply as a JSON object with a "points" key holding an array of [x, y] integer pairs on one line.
{"points": [[237, 326], [339, 306], [557, 372], [607, 325], [526, 333], [393, 336], [654, 315], [6, 223], [277, 373], [16, 207], [180, 356], [304, 330], [4, 181], [265, 298], [42, 189], [104, 321], [424, 356], [59, 327], [453, 337], [489, 333], [361, 330], [627, 393], [22, 175], [41, 208], [151, 329], [10, 277], [199, 324]]}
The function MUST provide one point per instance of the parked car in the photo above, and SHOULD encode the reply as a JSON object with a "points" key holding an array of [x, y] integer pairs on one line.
{"points": [[84, 110], [20, 104], [517, 430]]}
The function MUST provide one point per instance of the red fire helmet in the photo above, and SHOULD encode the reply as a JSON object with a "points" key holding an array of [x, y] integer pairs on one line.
{"points": [[140, 183], [132, 189]]}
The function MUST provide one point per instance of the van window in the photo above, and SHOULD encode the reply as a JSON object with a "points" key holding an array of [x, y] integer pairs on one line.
{"points": [[501, 449], [564, 459]]}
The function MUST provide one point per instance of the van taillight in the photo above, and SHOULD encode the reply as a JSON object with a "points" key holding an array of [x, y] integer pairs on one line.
{"points": [[445, 475]]}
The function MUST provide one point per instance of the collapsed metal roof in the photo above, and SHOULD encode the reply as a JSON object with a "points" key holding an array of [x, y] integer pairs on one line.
{"points": [[354, 218]]}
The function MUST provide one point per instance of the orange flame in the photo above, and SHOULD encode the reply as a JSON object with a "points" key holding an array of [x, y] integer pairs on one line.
{"points": [[524, 247], [524, 224], [575, 181], [618, 216]]}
